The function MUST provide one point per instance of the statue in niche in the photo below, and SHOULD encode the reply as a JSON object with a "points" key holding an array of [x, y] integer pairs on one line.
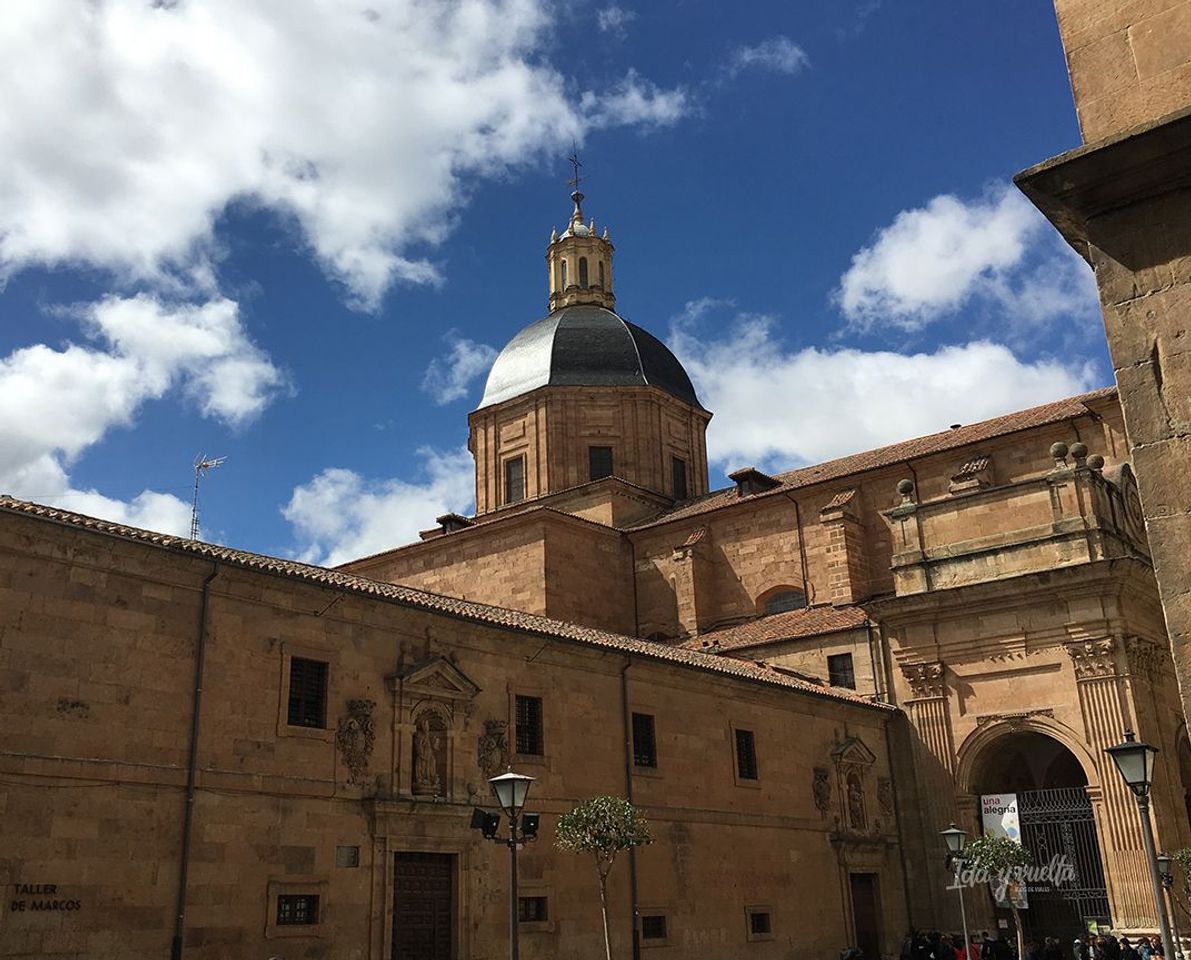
{"points": [[429, 756], [856, 816], [821, 788]]}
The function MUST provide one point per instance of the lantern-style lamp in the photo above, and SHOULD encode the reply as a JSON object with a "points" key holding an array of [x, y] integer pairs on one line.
{"points": [[511, 790], [956, 839], [1135, 761]]}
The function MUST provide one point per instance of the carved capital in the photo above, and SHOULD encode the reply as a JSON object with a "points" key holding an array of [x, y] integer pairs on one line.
{"points": [[1093, 659], [925, 679], [1145, 659]]}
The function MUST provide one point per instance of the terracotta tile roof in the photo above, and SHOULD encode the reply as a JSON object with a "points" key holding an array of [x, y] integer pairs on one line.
{"points": [[1048, 413], [479, 613], [790, 625]]}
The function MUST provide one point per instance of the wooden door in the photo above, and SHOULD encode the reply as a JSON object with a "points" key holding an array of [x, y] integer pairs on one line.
{"points": [[866, 914], [422, 906]]}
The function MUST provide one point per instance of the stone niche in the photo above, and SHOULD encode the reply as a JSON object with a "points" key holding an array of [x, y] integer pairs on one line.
{"points": [[434, 702]]}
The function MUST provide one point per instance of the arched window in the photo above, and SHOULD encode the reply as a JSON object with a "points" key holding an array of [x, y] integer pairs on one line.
{"points": [[781, 599], [563, 285], [601, 274], [583, 272]]}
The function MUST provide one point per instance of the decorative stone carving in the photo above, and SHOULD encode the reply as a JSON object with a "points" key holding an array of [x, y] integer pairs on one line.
{"points": [[1093, 658], [429, 755], [354, 736], [492, 749], [821, 788], [1145, 658], [857, 818], [853, 763], [885, 796], [1013, 719], [925, 679], [972, 475]]}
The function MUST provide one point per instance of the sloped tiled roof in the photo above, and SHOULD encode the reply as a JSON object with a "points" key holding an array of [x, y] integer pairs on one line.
{"points": [[1048, 413], [790, 625], [479, 613]]}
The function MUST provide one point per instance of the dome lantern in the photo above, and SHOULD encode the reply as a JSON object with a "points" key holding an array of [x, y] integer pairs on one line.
{"points": [[579, 261]]}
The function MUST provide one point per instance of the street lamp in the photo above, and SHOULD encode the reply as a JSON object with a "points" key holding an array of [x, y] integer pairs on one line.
{"points": [[511, 789], [956, 840], [1167, 873], [1134, 760]]}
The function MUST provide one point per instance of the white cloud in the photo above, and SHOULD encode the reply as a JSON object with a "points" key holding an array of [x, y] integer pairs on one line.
{"points": [[56, 403], [615, 20], [780, 408], [996, 250], [339, 515], [777, 54], [634, 100], [448, 377], [129, 127]]}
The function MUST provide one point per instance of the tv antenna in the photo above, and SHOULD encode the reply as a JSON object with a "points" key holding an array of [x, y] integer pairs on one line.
{"points": [[202, 463]]}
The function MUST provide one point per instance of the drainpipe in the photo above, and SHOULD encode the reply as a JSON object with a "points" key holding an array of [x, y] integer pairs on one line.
{"points": [[878, 667], [801, 547], [628, 789], [200, 656]]}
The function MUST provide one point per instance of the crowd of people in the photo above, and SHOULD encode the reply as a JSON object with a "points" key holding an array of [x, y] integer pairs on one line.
{"points": [[920, 945]]}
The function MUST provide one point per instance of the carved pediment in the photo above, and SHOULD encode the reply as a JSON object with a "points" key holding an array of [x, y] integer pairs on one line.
{"points": [[436, 677], [852, 750]]}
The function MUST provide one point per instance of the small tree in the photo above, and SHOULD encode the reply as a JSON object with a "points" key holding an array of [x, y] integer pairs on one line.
{"points": [[1002, 860], [602, 826]]}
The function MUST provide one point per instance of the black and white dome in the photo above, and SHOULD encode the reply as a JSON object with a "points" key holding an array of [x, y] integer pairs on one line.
{"points": [[585, 346]]}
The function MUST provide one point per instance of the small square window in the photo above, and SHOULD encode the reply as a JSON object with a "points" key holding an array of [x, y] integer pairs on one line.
{"points": [[347, 856], [515, 480], [529, 725], [760, 923], [297, 909], [645, 750], [532, 910], [599, 462], [746, 755], [653, 927], [840, 671], [307, 693]]}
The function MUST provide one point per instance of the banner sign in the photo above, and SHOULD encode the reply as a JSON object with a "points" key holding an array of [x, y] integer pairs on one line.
{"points": [[998, 812]]}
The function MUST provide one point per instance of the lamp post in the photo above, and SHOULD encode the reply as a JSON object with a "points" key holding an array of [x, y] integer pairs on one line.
{"points": [[1166, 872], [1134, 760], [956, 840], [511, 789]]}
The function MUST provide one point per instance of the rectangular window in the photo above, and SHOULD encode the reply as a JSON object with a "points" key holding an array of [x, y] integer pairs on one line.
{"points": [[759, 924], [532, 910], [840, 671], [347, 856], [645, 750], [746, 755], [678, 478], [514, 479], [653, 927], [599, 462], [529, 725], [297, 909], [307, 692]]}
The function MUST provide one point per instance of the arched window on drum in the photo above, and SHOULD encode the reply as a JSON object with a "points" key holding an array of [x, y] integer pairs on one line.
{"points": [[780, 599]]}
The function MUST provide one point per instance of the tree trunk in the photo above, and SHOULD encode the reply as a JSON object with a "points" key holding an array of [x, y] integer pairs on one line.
{"points": [[1021, 943], [604, 911]]}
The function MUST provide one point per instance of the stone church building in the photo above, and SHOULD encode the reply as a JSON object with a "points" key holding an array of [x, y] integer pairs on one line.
{"points": [[800, 679]]}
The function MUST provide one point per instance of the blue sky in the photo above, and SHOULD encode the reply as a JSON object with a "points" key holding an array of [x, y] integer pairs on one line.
{"points": [[293, 233]]}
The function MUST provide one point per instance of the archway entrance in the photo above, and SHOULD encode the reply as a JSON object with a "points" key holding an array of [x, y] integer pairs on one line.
{"points": [[1057, 821]]}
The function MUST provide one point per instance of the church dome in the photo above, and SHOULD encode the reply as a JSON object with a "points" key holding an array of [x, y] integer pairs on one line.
{"points": [[585, 346]]}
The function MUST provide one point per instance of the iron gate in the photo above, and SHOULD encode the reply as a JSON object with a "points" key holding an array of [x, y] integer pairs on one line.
{"points": [[1059, 823]]}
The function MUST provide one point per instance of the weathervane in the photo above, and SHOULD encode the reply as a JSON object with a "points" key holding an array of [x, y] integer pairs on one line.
{"points": [[574, 159]]}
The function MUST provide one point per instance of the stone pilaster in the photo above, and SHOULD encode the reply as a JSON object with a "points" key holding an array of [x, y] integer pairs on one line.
{"points": [[1104, 706]]}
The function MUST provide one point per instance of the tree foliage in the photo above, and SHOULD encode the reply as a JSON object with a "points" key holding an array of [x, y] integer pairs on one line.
{"points": [[997, 855], [602, 826]]}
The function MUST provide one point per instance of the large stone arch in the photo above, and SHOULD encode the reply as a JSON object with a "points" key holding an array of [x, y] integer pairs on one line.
{"points": [[970, 752]]}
